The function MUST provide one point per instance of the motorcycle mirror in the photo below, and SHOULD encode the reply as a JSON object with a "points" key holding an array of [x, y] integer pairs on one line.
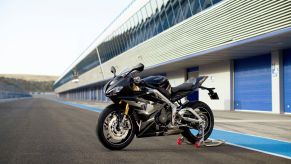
{"points": [[139, 67], [113, 70]]}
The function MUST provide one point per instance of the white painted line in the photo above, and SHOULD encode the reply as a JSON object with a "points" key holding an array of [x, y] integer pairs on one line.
{"points": [[278, 155]]}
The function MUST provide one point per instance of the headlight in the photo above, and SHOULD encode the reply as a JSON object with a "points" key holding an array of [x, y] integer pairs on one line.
{"points": [[115, 90]]}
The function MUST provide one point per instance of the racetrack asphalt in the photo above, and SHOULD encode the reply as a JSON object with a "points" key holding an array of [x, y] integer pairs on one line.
{"points": [[44, 131]]}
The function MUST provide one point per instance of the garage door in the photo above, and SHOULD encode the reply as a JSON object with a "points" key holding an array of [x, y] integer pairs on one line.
{"points": [[287, 80], [252, 83]]}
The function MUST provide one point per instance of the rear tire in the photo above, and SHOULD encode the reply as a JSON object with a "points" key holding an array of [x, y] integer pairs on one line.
{"points": [[114, 109], [207, 113]]}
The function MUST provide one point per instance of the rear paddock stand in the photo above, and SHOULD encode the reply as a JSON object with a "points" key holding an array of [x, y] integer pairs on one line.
{"points": [[201, 143]]}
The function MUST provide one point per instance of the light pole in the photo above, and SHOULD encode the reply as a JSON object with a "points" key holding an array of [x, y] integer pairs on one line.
{"points": [[100, 62]]}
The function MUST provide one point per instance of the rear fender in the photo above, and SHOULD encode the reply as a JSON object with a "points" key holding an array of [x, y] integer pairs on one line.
{"points": [[197, 83]]}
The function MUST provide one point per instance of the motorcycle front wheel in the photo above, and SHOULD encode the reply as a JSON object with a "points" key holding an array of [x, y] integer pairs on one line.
{"points": [[203, 110], [109, 130]]}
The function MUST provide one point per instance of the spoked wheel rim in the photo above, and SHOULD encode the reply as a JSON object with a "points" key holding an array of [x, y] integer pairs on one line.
{"points": [[206, 116], [113, 132]]}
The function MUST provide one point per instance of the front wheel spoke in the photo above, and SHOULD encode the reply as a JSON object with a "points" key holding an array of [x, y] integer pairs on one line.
{"points": [[108, 136], [106, 123]]}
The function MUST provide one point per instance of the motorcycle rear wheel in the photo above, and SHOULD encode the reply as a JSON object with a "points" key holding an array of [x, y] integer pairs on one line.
{"points": [[109, 131], [206, 114]]}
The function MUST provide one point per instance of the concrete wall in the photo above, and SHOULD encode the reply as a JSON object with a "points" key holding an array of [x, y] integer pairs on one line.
{"points": [[277, 82], [220, 77], [177, 77]]}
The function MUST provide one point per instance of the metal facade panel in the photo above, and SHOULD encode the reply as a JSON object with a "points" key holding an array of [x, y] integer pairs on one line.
{"points": [[253, 83], [287, 80]]}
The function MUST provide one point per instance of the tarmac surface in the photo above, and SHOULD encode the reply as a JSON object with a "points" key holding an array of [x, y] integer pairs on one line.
{"points": [[44, 131]]}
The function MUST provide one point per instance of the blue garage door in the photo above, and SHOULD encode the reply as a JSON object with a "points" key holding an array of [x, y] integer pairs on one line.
{"points": [[252, 83], [287, 80]]}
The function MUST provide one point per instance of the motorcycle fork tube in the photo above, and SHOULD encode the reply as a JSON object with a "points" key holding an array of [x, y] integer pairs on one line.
{"points": [[126, 109], [125, 113]]}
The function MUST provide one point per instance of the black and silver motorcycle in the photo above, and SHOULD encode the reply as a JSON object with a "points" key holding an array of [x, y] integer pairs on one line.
{"points": [[151, 107]]}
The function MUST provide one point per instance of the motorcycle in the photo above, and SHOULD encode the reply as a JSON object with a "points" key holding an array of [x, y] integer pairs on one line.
{"points": [[146, 107]]}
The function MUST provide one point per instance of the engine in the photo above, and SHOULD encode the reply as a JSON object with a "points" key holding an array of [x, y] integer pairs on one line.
{"points": [[163, 117]]}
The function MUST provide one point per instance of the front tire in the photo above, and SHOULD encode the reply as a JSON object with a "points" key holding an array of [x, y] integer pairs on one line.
{"points": [[109, 131], [206, 114]]}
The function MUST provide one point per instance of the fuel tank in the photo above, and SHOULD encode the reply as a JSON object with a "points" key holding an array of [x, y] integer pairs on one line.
{"points": [[160, 83]]}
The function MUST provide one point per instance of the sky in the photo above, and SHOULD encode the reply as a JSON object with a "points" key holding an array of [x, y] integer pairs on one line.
{"points": [[44, 37]]}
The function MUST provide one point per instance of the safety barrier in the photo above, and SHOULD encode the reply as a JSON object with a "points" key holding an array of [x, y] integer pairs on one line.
{"points": [[9, 95]]}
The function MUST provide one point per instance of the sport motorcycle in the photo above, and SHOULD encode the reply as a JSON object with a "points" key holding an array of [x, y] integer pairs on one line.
{"points": [[146, 107]]}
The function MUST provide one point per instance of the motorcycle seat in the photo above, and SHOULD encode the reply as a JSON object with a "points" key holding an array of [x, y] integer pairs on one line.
{"points": [[185, 87]]}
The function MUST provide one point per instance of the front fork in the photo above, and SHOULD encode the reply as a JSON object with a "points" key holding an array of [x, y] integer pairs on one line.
{"points": [[125, 113]]}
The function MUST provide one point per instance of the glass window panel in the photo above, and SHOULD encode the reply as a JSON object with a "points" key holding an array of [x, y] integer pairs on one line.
{"points": [[177, 11], [205, 4], [124, 40], [141, 34], [185, 5], [115, 44], [164, 20], [131, 23], [152, 28], [156, 23], [113, 47], [143, 29], [103, 49], [215, 1], [159, 25], [109, 48], [195, 6], [121, 42], [159, 20], [127, 36], [153, 17], [147, 31], [170, 14], [133, 38], [135, 33], [139, 16]]}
